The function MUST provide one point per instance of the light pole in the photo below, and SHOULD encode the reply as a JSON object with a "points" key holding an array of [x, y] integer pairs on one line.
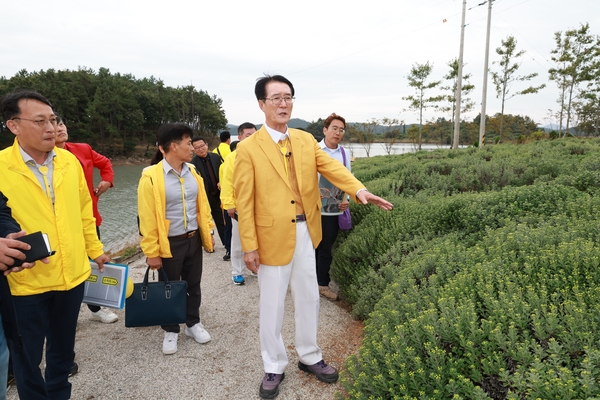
{"points": [[485, 76], [459, 79]]}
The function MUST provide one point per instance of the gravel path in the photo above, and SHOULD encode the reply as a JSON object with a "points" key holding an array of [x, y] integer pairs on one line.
{"points": [[127, 363]]}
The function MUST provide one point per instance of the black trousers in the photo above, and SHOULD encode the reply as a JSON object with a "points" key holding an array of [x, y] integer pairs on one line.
{"points": [[217, 213], [186, 265], [228, 228], [92, 307], [50, 316], [330, 228]]}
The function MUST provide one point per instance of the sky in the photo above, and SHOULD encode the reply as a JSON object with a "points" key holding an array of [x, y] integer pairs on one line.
{"points": [[351, 58]]}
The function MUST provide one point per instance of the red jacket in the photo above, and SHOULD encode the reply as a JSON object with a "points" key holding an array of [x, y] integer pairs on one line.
{"points": [[89, 160]]}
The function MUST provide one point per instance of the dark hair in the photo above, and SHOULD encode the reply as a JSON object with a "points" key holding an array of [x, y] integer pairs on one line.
{"points": [[333, 116], [224, 136], [167, 134], [260, 89], [196, 138], [233, 145], [245, 125], [9, 104]]}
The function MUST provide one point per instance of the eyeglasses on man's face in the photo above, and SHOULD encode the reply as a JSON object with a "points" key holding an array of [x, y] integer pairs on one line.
{"points": [[278, 99], [200, 146], [40, 122], [336, 129]]}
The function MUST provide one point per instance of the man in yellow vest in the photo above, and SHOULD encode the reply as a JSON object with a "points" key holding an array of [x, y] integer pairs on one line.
{"points": [[245, 130], [47, 192], [175, 223], [223, 148]]}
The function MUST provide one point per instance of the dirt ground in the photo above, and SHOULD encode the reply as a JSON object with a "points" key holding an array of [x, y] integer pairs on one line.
{"points": [[116, 362]]}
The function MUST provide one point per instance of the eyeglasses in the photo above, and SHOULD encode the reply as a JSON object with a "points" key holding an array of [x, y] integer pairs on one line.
{"points": [[41, 122], [277, 99], [200, 146], [336, 129]]}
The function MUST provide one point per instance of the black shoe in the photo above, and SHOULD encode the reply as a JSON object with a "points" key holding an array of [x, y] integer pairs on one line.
{"points": [[74, 369], [226, 257]]}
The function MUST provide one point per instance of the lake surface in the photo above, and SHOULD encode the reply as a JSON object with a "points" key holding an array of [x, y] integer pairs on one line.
{"points": [[118, 205], [378, 149]]}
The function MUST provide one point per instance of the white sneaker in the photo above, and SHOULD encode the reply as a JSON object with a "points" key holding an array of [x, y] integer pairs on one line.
{"points": [[198, 333], [170, 343], [104, 315]]}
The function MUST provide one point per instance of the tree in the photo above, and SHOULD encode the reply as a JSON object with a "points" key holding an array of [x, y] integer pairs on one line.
{"points": [[588, 110], [315, 128], [364, 133], [504, 79], [114, 112], [390, 131], [576, 53], [440, 130], [513, 126], [466, 103], [417, 78]]}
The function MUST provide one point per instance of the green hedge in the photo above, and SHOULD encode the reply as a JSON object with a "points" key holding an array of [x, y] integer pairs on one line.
{"points": [[514, 316], [385, 236], [483, 282]]}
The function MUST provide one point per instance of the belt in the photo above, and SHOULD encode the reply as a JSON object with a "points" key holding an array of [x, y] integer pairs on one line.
{"points": [[300, 217], [184, 235]]}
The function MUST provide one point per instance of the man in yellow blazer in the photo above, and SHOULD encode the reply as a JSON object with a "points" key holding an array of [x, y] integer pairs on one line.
{"points": [[278, 204], [175, 223]]}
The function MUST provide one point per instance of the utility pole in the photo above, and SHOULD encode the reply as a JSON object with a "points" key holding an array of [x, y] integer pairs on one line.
{"points": [[459, 80], [485, 76]]}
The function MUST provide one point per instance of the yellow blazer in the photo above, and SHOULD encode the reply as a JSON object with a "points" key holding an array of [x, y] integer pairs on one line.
{"points": [[152, 211], [264, 197]]}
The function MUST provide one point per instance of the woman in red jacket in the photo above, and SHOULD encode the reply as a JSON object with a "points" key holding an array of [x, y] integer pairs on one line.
{"points": [[89, 160]]}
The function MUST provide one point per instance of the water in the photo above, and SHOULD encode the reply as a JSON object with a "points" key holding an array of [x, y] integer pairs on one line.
{"points": [[118, 205], [378, 149]]}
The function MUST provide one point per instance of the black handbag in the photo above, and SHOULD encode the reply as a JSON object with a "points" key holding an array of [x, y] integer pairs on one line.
{"points": [[156, 303]]}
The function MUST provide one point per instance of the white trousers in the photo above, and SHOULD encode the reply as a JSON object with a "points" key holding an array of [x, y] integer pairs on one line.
{"points": [[237, 256], [273, 281]]}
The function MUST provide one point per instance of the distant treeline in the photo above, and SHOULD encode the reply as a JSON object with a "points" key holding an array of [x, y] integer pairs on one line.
{"points": [[115, 112]]}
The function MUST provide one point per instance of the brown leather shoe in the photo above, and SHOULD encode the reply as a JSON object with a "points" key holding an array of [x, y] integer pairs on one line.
{"points": [[327, 293]]}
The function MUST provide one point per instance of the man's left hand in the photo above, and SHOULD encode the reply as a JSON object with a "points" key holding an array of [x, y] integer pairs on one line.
{"points": [[101, 188], [101, 260], [367, 197]]}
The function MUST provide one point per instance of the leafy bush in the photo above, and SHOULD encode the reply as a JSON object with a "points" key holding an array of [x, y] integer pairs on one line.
{"points": [[484, 281]]}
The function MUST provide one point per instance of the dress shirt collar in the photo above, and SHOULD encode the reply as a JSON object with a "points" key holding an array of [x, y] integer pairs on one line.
{"points": [[167, 168], [29, 160], [330, 150], [275, 135]]}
